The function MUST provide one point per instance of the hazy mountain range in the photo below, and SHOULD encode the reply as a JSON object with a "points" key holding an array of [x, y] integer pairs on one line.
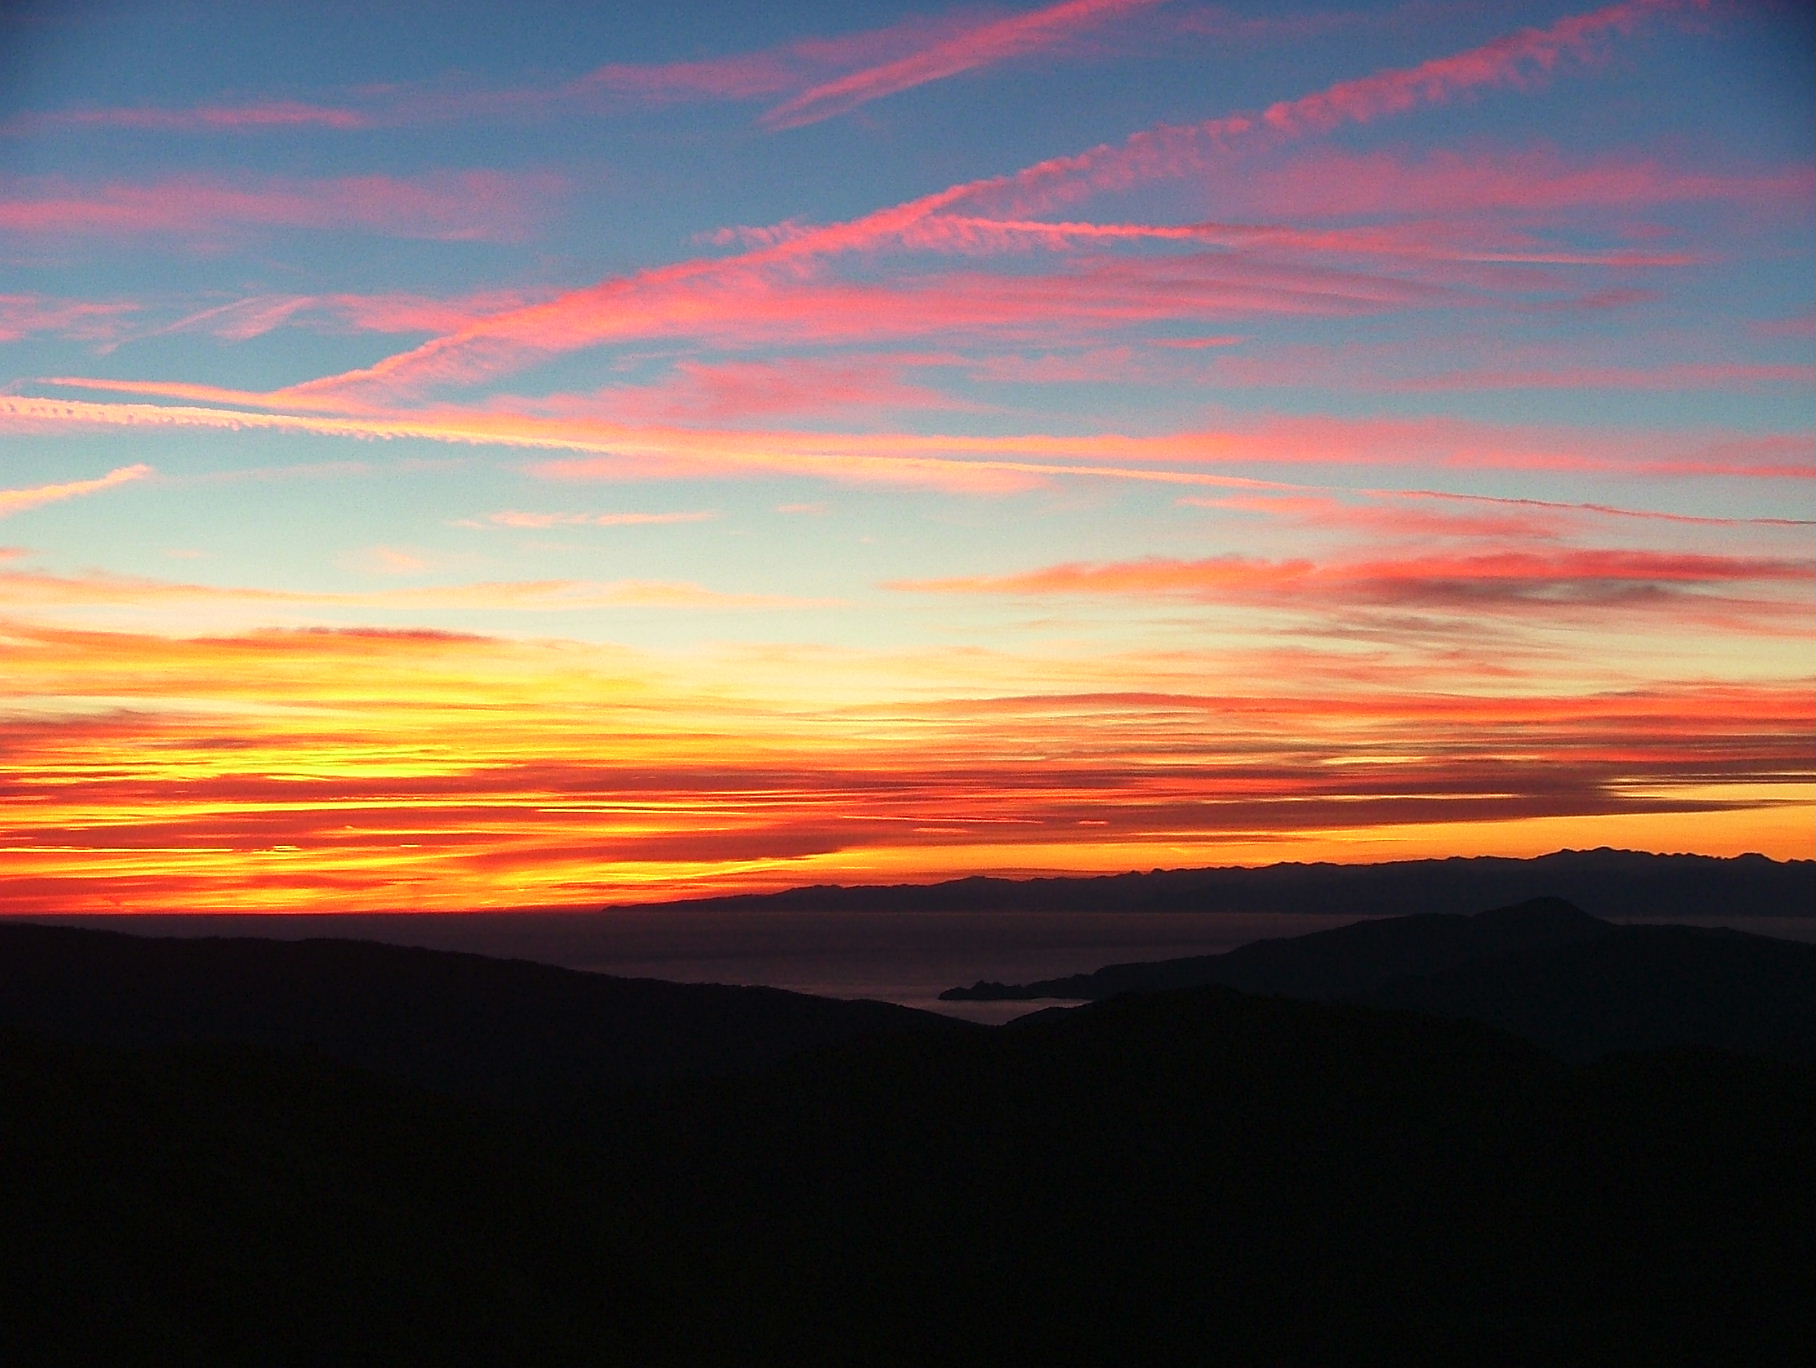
{"points": [[1609, 883]]}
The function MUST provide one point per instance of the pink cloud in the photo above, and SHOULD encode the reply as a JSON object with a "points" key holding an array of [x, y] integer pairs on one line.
{"points": [[770, 71], [1552, 580], [585, 317], [737, 391], [400, 312], [1086, 295], [391, 312], [256, 116], [238, 321], [1337, 184], [741, 76], [462, 206], [1398, 520], [28, 315], [18, 500], [983, 45], [1429, 241], [1176, 150], [1518, 57]]}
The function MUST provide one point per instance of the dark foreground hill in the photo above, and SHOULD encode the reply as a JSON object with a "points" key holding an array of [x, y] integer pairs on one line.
{"points": [[1330, 964], [1173, 1178], [1544, 970], [504, 1031], [222, 1152]]}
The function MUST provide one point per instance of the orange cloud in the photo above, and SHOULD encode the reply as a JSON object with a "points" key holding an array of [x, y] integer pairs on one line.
{"points": [[362, 769], [30, 590]]}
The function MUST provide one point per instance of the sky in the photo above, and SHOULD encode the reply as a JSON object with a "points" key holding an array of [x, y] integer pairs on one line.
{"points": [[469, 456]]}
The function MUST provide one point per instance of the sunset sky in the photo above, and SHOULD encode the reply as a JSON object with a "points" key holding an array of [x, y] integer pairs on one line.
{"points": [[463, 455]]}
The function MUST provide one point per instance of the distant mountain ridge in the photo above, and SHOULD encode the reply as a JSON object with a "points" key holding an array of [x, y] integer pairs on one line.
{"points": [[1606, 882]]}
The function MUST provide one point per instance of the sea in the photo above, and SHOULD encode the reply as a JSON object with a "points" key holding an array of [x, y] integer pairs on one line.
{"points": [[902, 957]]}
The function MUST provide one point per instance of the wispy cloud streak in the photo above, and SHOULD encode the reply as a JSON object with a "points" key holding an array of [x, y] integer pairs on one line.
{"points": [[93, 320], [509, 341], [29, 589], [1551, 581], [985, 45], [18, 500], [461, 206], [253, 116], [981, 464]]}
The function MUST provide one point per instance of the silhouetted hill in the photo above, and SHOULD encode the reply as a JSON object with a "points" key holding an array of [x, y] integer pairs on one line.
{"points": [[1156, 1178], [1326, 964], [1608, 883], [217, 1205], [506, 1030], [1543, 970], [1637, 988]]}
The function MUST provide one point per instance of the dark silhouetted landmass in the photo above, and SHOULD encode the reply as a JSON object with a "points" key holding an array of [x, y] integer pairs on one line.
{"points": [[329, 1152], [1544, 970], [1636, 988], [1166, 1178], [1622, 884], [1328, 964], [504, 1030]]}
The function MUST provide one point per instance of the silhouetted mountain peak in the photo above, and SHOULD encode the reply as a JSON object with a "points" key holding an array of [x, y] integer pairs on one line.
{"points": [[1555, 911]]}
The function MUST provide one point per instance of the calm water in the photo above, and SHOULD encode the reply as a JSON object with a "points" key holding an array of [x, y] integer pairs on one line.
{"points": [[905, 957]]}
